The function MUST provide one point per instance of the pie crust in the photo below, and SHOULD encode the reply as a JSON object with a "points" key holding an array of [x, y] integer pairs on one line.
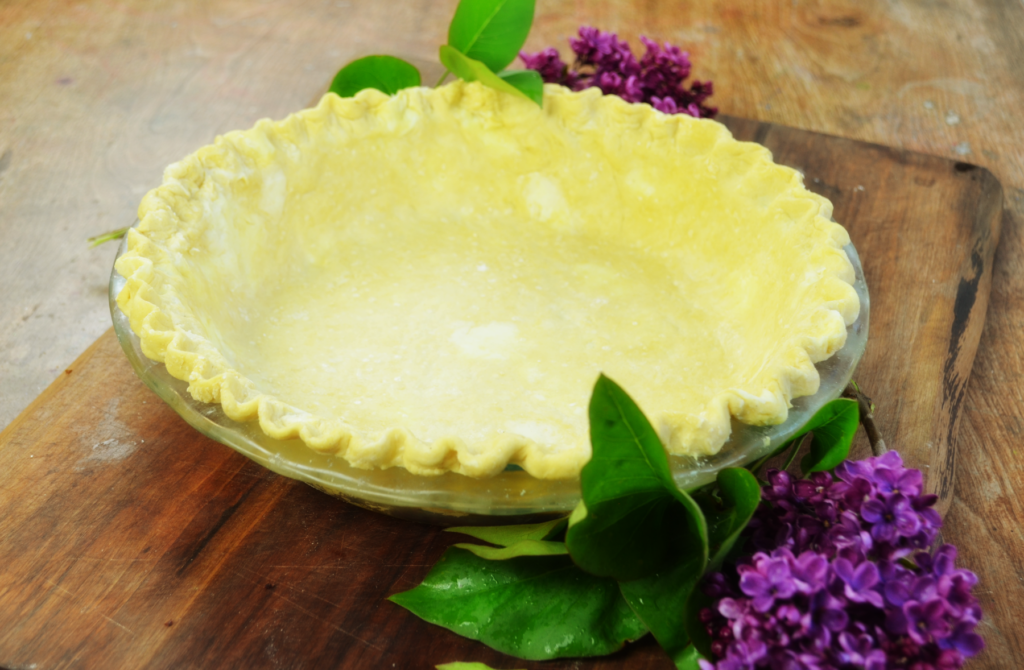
{"points": [[434, 280]]}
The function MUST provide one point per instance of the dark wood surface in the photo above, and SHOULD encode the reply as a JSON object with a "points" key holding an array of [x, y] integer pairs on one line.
{"points": [[129, 540]]}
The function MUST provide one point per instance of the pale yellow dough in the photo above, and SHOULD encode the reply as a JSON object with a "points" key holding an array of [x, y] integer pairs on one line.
{"points": [[434, 280]]}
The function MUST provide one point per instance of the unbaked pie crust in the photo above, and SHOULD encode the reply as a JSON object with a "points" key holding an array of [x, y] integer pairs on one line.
{"points": [[434, 280]]}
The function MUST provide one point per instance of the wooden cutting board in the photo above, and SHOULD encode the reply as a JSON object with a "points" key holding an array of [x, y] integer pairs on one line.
{"points": [[128, 540]]}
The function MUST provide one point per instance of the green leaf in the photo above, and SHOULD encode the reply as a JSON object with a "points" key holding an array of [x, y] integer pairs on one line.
{"points": [[688, 659], [626, 538], [384, 73], [834, 427], [739, 496], [474, 70], [506, 536], [529, 82], [524, 548], [659, 598], [633, 520], [535, 608], [462, 665], [699, 637], [491, 31]]}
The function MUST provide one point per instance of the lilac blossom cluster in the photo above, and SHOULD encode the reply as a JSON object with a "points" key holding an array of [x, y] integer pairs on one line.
{"points": [[605, 61], [842, 578]]}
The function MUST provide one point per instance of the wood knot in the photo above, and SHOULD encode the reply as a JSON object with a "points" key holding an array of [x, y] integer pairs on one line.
{"points": [[840, 21]]}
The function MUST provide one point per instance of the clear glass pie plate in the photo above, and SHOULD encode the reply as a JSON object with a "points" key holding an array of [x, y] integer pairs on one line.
{"points": [[453, 498]]}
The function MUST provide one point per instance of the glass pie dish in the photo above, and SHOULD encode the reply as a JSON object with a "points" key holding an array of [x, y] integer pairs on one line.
{"points": [[405, 300], [453, 498]]}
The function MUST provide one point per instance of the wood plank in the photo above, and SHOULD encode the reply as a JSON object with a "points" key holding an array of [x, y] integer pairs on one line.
{"points": [[132, 541], [987, 513]]}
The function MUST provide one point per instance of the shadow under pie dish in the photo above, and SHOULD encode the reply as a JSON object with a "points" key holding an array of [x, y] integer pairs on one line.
{"points": [[433, 281]]}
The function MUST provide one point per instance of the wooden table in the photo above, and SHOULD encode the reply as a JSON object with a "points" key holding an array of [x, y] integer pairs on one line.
{"points": [[100, 96]]}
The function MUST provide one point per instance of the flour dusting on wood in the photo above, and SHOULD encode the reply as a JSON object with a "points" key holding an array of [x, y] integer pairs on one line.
{"points": [[111, 441]]}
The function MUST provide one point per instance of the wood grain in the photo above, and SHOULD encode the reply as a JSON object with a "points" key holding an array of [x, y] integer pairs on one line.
{"points": [[132, 541]]}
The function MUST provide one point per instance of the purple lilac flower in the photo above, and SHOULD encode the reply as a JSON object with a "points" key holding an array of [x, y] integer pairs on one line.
{"points": [[766, 580], [874, 506], [550, 66], [892, 517], [860, 651], [859, 581], [835, 582], [605, 61]]}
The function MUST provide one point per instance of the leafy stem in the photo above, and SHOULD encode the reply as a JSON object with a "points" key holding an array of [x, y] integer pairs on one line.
{"points": [[867, 417], [483, 38], [634, 551]]}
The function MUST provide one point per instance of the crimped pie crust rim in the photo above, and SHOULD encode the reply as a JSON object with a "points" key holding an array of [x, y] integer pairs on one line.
{"points": [[165, 334]]}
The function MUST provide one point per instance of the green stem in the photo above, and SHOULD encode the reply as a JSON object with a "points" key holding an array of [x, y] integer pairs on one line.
{"points": [[755, 469], [793, 453], [444, 76], [107, 237], [792, 449]]}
